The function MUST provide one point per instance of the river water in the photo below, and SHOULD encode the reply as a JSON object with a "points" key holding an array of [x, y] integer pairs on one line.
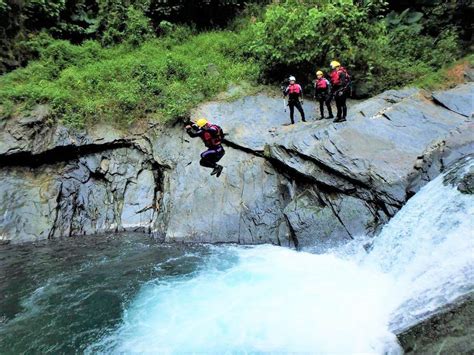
{"points": [[129, 294]]}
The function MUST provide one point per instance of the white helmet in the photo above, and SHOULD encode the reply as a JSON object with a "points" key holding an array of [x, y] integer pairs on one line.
{"points": [[292, 78]]}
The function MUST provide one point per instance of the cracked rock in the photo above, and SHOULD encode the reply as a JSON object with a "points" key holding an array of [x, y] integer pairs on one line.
{"points": [[312, 185]]}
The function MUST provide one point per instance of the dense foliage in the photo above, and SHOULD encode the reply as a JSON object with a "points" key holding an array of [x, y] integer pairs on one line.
{"points": [[109, 21], [298, 38], [161, 79], [121, 60]]}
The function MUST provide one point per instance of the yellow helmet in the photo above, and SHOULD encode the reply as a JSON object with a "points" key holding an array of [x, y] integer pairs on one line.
{"points": [[201, 122], [319, 72], [335, 64]]}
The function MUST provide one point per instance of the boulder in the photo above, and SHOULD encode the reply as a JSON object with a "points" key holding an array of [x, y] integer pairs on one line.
{"points": [[449, 331], [459, 99], [376, 153]]}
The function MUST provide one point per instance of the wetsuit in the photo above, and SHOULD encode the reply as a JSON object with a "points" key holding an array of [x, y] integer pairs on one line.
{"points": [[294, 92], [340, 81], [212, 140], [322, 92]]}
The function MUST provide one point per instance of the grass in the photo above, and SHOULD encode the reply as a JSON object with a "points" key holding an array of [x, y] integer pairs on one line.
{"points": [[447, 77], [159, 81], [164, 78]]}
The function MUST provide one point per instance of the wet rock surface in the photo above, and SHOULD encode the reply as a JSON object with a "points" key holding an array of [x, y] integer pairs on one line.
{"points": [[462, 179], [309, 184], [450, 331]]}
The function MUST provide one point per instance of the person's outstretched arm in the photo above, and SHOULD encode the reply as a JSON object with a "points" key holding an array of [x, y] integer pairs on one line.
{"points": [[192, 131]]}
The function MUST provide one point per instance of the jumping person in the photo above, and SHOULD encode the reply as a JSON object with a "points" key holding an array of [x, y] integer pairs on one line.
{"points": [[322, 92], [340, 81], [295, 98], [212, 136]]}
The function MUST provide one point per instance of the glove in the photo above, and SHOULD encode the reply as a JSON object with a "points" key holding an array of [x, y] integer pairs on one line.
{"points": [[340, 93], [301, 102]]}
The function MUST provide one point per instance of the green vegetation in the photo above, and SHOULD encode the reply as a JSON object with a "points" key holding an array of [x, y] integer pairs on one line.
{"points": [[135, 67], [161, 79], [446, 77], [300, 37], [107, 21]]}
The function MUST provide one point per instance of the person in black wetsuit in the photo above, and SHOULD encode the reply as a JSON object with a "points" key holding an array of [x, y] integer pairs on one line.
{"points": [[340, 81], [295, 94], [322, 92], [212, 136]]}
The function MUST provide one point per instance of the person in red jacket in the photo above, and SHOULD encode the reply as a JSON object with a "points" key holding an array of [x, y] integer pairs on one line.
{"points": [[212, 136], [340, 81], [322, 92], [295, 98]]}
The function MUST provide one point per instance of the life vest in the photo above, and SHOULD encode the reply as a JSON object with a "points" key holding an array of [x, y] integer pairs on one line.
{"points": [[294, 89], [322, 84], [211, 140], [336, 77]]}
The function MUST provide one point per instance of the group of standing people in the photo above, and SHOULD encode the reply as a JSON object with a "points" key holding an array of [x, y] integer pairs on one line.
{"points": [[337, 87]]}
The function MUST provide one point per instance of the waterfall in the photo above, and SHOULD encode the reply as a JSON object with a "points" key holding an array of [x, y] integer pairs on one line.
{"points": [[272, 299]]}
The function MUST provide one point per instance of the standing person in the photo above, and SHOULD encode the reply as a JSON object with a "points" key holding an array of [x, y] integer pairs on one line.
{"points": [[340, 81], [212, 136], [295, 98], [322, 92]]}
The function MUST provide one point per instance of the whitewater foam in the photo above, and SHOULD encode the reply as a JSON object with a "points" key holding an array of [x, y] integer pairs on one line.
{"points": [[271, 299]]}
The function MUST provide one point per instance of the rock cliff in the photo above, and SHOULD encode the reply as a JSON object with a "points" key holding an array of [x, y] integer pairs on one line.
{"points": [[315, 184]]}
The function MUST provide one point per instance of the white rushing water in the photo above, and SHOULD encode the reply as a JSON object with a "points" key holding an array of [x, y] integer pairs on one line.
{"points": [[273, 299]]}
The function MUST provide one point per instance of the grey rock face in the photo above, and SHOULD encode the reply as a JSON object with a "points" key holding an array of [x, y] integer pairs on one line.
{"points": [[313, 185], [243, 206], [34, 134], [360, 172], [462, 179], [323, 221], [27, 204], [376, 153], [107, 191], [251, 121], [459, 99], [450, 331]]}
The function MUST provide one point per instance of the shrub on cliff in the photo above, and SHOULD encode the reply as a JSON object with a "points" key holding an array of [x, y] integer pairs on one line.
{"points": [[299, 37], [161, 79]]}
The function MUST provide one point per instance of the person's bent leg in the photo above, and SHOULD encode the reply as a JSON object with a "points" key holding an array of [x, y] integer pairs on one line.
{"points": [[219, 153], [321, 107], [207, 159]]}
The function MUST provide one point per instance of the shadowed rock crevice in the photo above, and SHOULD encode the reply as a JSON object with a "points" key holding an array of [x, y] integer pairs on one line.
{"points": [[59, 154]]}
